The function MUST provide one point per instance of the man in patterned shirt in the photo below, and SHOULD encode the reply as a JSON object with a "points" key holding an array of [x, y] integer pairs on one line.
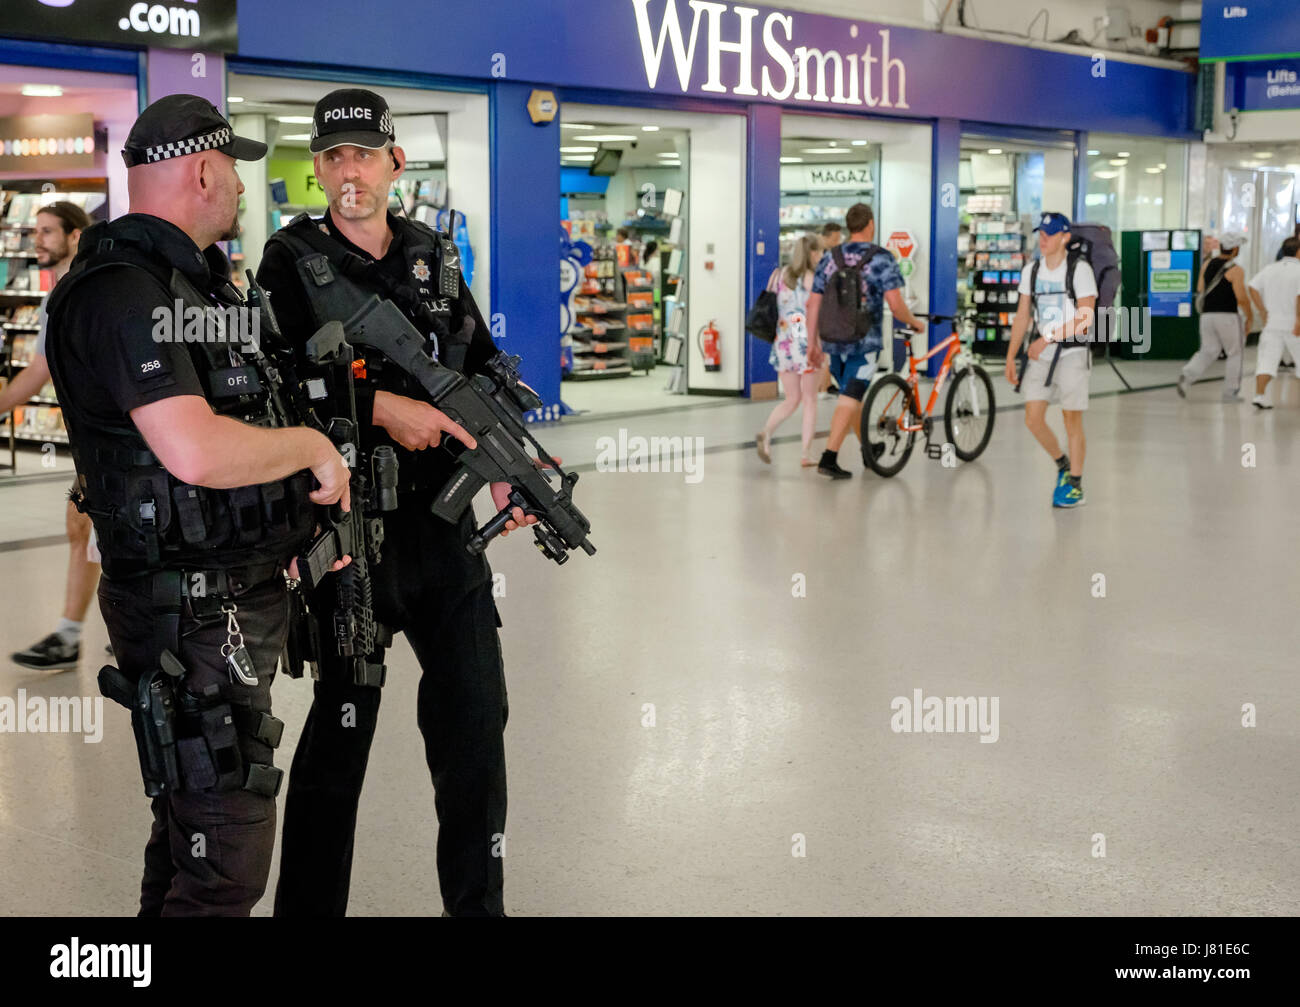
{"points": [[854, 361]]}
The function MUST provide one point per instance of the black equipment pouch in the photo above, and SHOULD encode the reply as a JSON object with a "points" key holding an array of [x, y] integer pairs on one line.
{"points": [[209, 756], [302, 648]]}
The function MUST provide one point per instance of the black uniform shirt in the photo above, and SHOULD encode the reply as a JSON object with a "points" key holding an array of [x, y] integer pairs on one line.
{"points": [[425, 550], [104, 355], [278, 273]]}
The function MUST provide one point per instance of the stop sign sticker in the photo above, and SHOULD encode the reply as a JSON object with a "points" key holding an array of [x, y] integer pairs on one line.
{"points": [[901, 242]]}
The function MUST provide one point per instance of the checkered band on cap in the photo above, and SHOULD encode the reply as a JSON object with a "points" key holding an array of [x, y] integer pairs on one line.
{"points": [[179, 148], [386, 123]]}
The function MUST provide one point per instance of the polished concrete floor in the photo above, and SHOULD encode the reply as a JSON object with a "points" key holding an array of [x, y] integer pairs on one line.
{"points": [[772, 618]]}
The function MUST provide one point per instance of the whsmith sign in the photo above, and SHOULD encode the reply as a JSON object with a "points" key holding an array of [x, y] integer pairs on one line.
{"points": [[741, 53], [207, 25], [862, 73]]}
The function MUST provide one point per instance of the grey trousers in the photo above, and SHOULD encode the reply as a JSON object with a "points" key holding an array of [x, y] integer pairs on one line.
{"points": [[1219, 331]]}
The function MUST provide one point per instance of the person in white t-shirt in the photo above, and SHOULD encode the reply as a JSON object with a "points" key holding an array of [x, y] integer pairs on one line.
{"points": [[55, 237], [1276, 293], [1056, 373]]}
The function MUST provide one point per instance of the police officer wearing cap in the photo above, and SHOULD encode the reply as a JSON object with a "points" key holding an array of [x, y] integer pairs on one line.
{"points": [[426, 584], [198, 498]]}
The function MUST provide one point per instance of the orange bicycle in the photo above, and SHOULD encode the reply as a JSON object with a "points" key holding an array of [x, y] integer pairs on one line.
{"points": [[892, 416]]}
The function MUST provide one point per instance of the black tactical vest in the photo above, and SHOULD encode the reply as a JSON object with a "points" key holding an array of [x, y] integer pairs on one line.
{"points": [[337, 282], [145, 518]]}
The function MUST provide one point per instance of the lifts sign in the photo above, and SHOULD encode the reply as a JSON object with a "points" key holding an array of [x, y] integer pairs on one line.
{"points": [[684, 42]]}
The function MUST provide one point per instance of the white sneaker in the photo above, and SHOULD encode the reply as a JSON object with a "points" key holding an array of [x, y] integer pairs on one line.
{"points": [[1259, 402]]}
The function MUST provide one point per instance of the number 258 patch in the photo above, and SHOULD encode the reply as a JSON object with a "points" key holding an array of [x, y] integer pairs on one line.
{"points": [[150, 365]]}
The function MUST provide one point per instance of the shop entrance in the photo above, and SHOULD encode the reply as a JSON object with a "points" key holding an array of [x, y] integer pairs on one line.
{"points": [[444, 136], [652, 218], [60, 133], [828, 163]]}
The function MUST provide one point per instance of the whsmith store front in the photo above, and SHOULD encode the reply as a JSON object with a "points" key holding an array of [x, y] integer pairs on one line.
{"points": [[715, 133]]}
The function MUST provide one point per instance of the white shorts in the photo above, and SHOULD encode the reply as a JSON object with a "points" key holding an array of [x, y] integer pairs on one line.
{"points": [[1069, 381], [1271, 342]]}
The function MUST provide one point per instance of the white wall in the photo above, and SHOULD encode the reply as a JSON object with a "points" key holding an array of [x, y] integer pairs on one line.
{"points": [[1058, 180], [254, 222], [1000, 16], [469, 179], [902, 202], [715, 209]]}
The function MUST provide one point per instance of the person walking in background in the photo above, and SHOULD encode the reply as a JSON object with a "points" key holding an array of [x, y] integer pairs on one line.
{"points": [[58, 230], [790, 348], [1223, 282], [836, 327], [1275, 291]]}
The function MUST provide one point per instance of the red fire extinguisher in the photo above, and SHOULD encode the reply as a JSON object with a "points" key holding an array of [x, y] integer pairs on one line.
{"points": [[707, 340]]}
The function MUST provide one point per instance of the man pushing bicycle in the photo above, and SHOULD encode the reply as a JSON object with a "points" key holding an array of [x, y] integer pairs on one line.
{"points": [[852, 284]]}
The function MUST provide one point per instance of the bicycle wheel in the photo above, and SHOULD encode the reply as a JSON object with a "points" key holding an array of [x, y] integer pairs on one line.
{"points": [[885, 447], [968, 412]]}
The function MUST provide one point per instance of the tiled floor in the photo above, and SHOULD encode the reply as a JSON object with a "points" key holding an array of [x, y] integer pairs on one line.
{"points": [[772, 619]]}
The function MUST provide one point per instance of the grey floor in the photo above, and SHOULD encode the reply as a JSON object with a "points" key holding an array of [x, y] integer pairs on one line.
{"points": [[1119, 716]]}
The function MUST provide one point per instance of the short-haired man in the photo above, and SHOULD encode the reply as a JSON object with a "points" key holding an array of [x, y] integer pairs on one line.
{"points": [[58, 230], [832, 234], [427, 585], [200, 498], [853, 360], [1061, 309], [1275, 291]]}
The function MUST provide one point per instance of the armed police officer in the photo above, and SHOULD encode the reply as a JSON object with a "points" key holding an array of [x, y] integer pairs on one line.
{"points": [[427, 583], [197, 503]]}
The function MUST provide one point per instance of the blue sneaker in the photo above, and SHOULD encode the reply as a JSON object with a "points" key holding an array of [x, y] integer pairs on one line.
{"points": [[1067, 494]]}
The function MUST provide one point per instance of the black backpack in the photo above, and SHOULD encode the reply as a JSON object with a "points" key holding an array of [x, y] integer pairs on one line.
{"points": [[1093, 244], [845, 316]]}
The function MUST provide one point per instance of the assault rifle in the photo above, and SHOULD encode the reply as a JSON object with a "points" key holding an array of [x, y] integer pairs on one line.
{"points": [[491, 407]]}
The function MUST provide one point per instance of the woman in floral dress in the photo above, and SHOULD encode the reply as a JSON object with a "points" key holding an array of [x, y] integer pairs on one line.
{"points": [[790, 349]]}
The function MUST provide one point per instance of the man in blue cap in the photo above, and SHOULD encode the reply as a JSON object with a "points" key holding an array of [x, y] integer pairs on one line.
{"points": [[1058, 293]]}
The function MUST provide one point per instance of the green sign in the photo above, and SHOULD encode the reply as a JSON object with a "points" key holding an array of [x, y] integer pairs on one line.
{"points": [[906, 267], [299, 179], [1171, 281]]}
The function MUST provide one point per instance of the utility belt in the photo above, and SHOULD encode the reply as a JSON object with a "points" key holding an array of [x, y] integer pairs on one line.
{"points": [[188, 741]]}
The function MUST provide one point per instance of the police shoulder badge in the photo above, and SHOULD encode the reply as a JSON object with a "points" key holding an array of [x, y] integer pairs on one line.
{"points": [[420, 269]]}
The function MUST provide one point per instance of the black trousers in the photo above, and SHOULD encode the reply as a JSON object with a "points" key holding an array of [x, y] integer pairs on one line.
{"points": [[209, 851], [461, 711]]}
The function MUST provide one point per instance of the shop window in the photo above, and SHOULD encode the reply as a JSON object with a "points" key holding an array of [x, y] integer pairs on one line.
{"points": [[1135, 184]]}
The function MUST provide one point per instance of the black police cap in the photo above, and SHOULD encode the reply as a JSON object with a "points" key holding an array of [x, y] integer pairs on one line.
{"points": [[182, 124], [351, 116]]}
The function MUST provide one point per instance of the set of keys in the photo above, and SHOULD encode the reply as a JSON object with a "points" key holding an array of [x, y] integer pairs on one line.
{"points": [[236, 654]]}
